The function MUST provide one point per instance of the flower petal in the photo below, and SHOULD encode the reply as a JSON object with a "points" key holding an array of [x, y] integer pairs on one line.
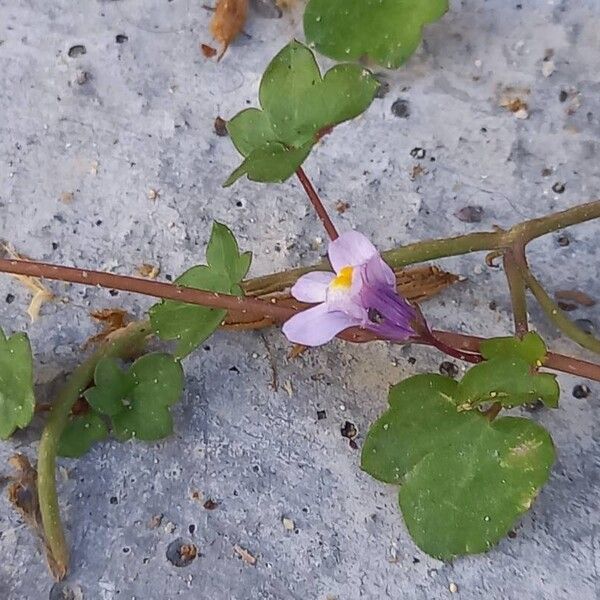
{"points": [[316, 325], [378, 272], [312, 287], [350, 249]]}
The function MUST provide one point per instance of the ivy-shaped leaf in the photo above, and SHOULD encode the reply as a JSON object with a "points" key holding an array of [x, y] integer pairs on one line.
{"points": [[17, 400], [464, 481], [387, 31], [298, 107], [190, 324], [464, 502], [510, 374], [138, 400], [81, 433]]}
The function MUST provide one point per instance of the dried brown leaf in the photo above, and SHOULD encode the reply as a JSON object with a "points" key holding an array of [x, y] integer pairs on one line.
{"points": [[23, 495], [148, 271], [228, 21], [576, 296], [244, 555], [39, 291], [111, 319], [207, 50]]}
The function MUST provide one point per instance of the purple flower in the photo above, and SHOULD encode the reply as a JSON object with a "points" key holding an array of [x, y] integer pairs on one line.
{"points": [[361, 292]]}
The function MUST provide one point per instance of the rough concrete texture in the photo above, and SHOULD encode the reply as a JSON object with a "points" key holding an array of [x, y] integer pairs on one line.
{"points": [[84, 139]]}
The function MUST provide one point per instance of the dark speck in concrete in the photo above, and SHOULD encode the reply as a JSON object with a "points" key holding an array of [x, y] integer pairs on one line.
{"points": [[77, 50], [401, 108]]}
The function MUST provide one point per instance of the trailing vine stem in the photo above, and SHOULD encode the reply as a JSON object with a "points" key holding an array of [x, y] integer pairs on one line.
{"points": [[509, 244], [119, 344]]}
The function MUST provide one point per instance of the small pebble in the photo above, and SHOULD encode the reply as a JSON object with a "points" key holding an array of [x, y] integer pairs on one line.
{"points": [[449, 369], [221, 127], [288, 524], [470, 214], [581, 391], [453, 588], [349, 430], [181, 552], [548, 67], [418, 153]]}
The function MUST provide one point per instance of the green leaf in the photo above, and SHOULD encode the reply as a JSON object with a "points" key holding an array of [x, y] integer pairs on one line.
{"points": [[508, 380], [148, 422], [422, 416], [17, 400], [223, 254], [273, 162], [298, 107], [158, 379], [112, 386], [158, 383], [190, 324], [531, 348], [138, 400], [82, 432], [463, 502], [387, 31], [464, 481]]}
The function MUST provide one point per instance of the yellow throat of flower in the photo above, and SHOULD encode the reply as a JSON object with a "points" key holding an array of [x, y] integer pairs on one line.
{"points": [[343, 281]]}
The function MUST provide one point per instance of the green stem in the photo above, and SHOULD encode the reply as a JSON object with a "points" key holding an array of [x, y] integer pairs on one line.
{"points": [[557, 316], [517, 288], [120, 345], [445, 247]]}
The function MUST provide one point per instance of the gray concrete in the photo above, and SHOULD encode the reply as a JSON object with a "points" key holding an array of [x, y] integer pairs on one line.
{"points": [[143, 120]]}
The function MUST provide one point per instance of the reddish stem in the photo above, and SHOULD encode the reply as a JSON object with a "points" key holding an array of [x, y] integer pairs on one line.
{"points": [[262, 308], [317, 204]]}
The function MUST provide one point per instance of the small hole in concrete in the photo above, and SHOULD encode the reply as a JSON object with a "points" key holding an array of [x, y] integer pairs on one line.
{"points": [[121, 38], [77, 50]]}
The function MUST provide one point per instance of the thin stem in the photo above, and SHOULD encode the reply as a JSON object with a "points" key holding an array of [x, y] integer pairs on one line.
{"points": [[120, 343], [554, 361], [516, 285], [445, 247], [269, 313], [317, 204], [557, 316], [147, 287], [534, 228]]}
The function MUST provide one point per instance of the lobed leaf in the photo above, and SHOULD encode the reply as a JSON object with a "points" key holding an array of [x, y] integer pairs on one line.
{"points": [[510, 375], [190, 324], [464, 481], [17, 400], [298, 106], [82, 432], [463, 502], [137, 401], [387, 31]]}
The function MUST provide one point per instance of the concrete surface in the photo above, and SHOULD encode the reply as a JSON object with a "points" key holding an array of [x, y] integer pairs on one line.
{"points": [[83, 141]]}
